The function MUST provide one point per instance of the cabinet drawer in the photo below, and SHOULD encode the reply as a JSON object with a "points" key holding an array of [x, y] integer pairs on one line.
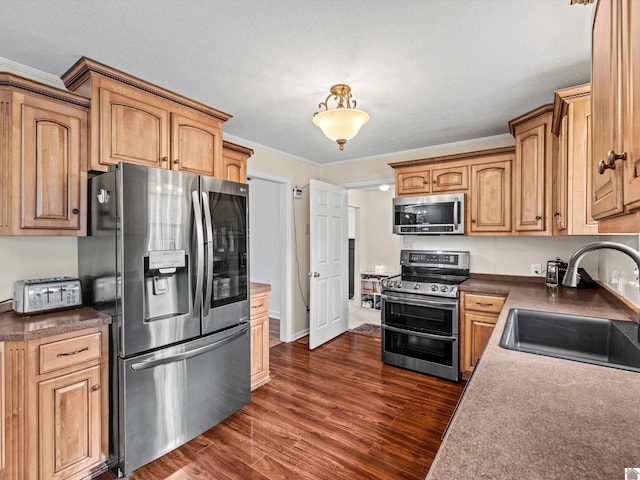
{"points": [[259, 305], [72, 351], [483, 303]]}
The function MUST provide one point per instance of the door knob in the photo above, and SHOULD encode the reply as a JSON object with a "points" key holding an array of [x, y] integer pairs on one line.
{"points": [[610, 161], [316, 274]]}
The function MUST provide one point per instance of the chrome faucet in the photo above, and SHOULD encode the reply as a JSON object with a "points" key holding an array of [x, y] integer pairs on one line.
{"points": [[571, 277]]}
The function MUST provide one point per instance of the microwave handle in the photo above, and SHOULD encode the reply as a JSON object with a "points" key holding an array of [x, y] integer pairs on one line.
{"points": [[456, 221]]}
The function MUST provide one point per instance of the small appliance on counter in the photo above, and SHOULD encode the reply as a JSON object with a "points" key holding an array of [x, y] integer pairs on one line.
{"points": [[556, 270], [44, 294]]}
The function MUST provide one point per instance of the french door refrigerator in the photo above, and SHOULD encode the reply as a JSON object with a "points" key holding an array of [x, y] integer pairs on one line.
{"points": [[167, 258]]}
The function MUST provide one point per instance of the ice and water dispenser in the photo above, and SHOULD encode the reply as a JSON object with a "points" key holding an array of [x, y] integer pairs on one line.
{"points": [[166, 284]]}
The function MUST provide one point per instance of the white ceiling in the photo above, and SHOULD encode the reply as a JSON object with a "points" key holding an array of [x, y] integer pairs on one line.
{"points": [[429, 72]]}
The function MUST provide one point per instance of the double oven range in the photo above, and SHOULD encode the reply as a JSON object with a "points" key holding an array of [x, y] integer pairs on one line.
{"points": [[420, 312]]}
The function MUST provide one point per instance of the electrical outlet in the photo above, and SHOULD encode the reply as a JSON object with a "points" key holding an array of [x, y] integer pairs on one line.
{"points": [[536, 269]]}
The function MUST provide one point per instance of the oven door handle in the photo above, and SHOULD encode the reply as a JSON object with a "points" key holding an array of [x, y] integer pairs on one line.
{"points": [[419, 302], [420, 334]]}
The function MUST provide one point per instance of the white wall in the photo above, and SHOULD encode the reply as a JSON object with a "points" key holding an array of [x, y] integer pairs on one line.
{"points": [[299, 172], [375, 244], [617, 270], [266, 238], [508, 255], [35, 257]]}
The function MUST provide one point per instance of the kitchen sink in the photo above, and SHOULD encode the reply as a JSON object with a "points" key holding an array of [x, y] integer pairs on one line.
{"points": [[611, 343]]}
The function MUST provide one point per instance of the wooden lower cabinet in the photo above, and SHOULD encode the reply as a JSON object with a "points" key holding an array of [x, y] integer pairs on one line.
{"points": [[56, 406], [478, 316], [69, 424], [259, 340]]}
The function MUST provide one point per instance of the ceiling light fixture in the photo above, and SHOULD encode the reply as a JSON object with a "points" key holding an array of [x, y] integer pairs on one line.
{"points": [[384, 187], [343, 122]]}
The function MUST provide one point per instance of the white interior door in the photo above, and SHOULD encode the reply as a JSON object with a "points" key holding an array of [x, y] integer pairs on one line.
{"points": [[329, 262]]}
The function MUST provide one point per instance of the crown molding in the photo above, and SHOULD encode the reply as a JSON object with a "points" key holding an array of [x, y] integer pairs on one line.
{"points": [[10, 66]]}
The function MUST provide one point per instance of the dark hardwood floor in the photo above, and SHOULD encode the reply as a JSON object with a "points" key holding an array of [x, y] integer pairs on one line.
{"points": [[334, 412]]}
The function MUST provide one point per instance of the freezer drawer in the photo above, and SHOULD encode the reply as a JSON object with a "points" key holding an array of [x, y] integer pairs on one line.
{"points": [[173, 395]]}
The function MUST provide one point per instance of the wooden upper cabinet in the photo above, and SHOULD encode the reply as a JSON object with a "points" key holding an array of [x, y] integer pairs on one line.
{"points": [[415, 178], [134, 129], [413, 181], [485, 175], [234, 162], [135, 121], [450, 179], [43, 154], [608, 196], [572, 165], [196, 143], [630, 70], [490, 201], [532, 171]]}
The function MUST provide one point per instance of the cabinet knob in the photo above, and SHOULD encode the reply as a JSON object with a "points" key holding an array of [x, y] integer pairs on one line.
{"points": [[96, 387], [473, 220], [176, 161], [538, 217], [556, 214], [165, 159], [610, 161], [75, 211], [434, 181]]}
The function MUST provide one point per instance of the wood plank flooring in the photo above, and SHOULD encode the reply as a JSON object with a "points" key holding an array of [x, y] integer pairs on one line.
{"points": [[335, 412], [274, 332]]}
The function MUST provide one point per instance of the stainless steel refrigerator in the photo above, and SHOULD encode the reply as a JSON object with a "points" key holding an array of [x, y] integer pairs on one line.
{"points": [[167, 257]]}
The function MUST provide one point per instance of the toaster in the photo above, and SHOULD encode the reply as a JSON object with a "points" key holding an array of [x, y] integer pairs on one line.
{"points": [[43, 294]]}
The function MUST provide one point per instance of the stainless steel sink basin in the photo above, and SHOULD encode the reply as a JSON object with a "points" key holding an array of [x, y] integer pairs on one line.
{"points": [[611, 343]]}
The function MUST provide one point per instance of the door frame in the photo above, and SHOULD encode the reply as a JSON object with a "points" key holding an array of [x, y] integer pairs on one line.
{"points": [[286, 206]]}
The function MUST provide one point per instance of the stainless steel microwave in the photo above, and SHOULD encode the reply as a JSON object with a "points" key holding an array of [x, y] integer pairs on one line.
{"points": [[429, 215]]}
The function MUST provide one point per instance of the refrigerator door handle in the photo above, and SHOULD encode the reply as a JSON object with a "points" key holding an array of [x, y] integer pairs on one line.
{"points": [[188, 354], [206, 303], [197, 215]]}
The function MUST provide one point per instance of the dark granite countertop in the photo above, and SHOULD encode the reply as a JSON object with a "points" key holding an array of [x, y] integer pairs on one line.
{"points": [[19, 328], [532, 416]]}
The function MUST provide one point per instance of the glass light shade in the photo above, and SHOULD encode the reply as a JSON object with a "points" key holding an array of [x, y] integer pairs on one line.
{"points": [[340, 123]]}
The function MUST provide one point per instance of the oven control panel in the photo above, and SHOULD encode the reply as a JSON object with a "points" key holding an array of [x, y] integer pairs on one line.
{"points": [[396, 284]]}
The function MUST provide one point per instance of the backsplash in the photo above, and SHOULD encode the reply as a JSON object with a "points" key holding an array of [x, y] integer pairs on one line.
{"points": [[514, 256], [35, 257]]}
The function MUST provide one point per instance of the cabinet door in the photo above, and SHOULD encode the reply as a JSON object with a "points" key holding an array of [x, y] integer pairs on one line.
{"points": [[259, 351], [478, 330], [412, 181], [133, 129], [196, 145], [69, 423], [561, 179], [607, 192], [234, 166], [52, 173], [450, 179], [530, 171], [5, 158], [631, 100], [491, 197]]}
